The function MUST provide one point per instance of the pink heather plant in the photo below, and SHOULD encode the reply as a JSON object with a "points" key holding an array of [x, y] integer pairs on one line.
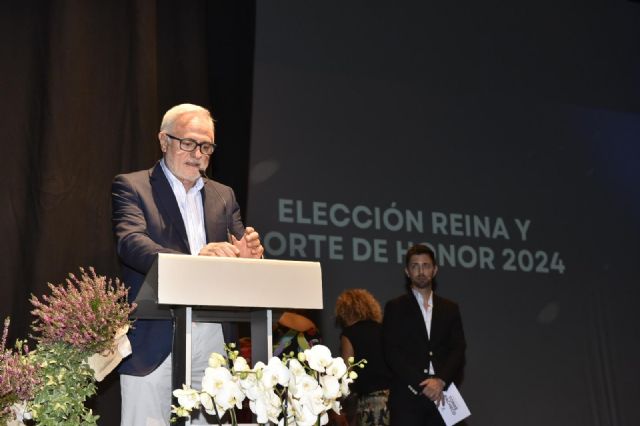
{"points": [[85, 313], [18, 378]]}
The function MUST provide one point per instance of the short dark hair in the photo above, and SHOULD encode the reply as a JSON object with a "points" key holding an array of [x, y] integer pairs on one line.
{"points": [[419, 249]]}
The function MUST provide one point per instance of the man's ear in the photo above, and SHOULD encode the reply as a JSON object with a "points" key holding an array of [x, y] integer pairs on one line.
{"points": [[406, 272], [435, 271], [163, 141]]}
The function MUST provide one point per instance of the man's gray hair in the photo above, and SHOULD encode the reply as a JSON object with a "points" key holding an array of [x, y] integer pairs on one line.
{"points": [[174, 113]]}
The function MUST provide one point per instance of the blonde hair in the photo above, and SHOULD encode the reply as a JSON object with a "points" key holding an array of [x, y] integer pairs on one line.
{"points": [[355, 305]]}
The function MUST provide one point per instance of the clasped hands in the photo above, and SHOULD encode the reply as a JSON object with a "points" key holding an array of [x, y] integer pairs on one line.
{"points": [[248, 246], [432, 388]]}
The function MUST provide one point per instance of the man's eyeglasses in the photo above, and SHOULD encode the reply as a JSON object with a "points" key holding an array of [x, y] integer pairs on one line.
{"points": [[190, 145]]}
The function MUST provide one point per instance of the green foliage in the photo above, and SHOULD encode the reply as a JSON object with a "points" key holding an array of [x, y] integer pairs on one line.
{"points": [[67, 383]]}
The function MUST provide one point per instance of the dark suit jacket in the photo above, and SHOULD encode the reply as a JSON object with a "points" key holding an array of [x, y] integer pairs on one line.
{"points": [[147, 221], [408, 348]]}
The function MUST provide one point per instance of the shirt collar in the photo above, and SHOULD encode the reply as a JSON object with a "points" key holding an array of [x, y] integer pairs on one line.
{"points": [[420, 298]]}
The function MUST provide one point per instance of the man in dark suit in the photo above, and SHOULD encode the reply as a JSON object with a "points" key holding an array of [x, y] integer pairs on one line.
{"points": [[423, 342], [172, 208]]}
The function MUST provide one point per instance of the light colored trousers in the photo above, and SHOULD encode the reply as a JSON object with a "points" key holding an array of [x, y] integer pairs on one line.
{"points": [[146, 400]]}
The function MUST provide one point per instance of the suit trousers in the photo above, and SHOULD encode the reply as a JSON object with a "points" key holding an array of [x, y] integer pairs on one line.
{"points": [[414, 410], [146, 400]]}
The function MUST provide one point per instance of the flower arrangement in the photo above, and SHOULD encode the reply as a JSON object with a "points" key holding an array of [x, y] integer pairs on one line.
{"points": [[18, 378], [80, 318], [84, 314], [294, 391]]}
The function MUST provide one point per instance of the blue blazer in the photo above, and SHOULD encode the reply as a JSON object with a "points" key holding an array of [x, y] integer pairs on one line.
{"points": [[147, 221]]}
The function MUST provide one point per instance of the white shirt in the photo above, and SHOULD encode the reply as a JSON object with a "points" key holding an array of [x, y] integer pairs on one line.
{"points": [[427, 314], [191, 209]]}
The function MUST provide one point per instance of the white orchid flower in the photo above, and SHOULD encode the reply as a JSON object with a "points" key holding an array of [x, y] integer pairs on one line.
{"points": [[318, 357], [238, 395], [267, 405], [282, 372], [304, 415], [330, 387], [295, 368], [187, 397], [344, 384], [216, 360], [178, 411], [275, 373], [240, 365], [313, 401], [207, 403], [301, 415], [336, 406], [269, 378], [250, 386], [231, 395], [312, 383], [274, 406], [337, 368], [302, 385], [259, 408], [215, 379]]}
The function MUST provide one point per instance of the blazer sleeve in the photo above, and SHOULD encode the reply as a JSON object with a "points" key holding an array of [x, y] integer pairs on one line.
{"points": [[237, 228], [452, 364], [135, 247]]}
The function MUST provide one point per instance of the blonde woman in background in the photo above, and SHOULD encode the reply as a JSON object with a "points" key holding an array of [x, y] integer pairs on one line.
{"points": [[360, 317]]}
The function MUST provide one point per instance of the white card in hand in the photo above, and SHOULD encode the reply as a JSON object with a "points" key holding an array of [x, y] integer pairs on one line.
{"points": [[454, 409]]}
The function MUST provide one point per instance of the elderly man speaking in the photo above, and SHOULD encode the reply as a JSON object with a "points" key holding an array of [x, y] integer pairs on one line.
{"points": [[172, 208]]}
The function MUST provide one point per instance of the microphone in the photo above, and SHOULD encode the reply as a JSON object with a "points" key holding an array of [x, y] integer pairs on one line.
{"points": [[203, 174]]}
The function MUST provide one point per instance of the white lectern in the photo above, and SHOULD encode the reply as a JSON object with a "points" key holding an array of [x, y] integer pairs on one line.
{"points": [[216, 289]]}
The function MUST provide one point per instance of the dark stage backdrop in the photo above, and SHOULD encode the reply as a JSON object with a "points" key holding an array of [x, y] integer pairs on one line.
{"points": [[83, 88], [504, 134]]}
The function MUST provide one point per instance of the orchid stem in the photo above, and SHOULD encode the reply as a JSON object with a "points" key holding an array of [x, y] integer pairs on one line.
{"points": [[215, 408]]}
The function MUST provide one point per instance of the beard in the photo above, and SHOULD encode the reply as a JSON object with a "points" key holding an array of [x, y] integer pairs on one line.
{"points": [[421, 282]]}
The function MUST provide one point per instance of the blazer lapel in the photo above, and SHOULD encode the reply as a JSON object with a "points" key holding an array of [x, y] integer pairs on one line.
{"points": [[167, 203], [216, 218], [436, 318], [417, 313]]}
